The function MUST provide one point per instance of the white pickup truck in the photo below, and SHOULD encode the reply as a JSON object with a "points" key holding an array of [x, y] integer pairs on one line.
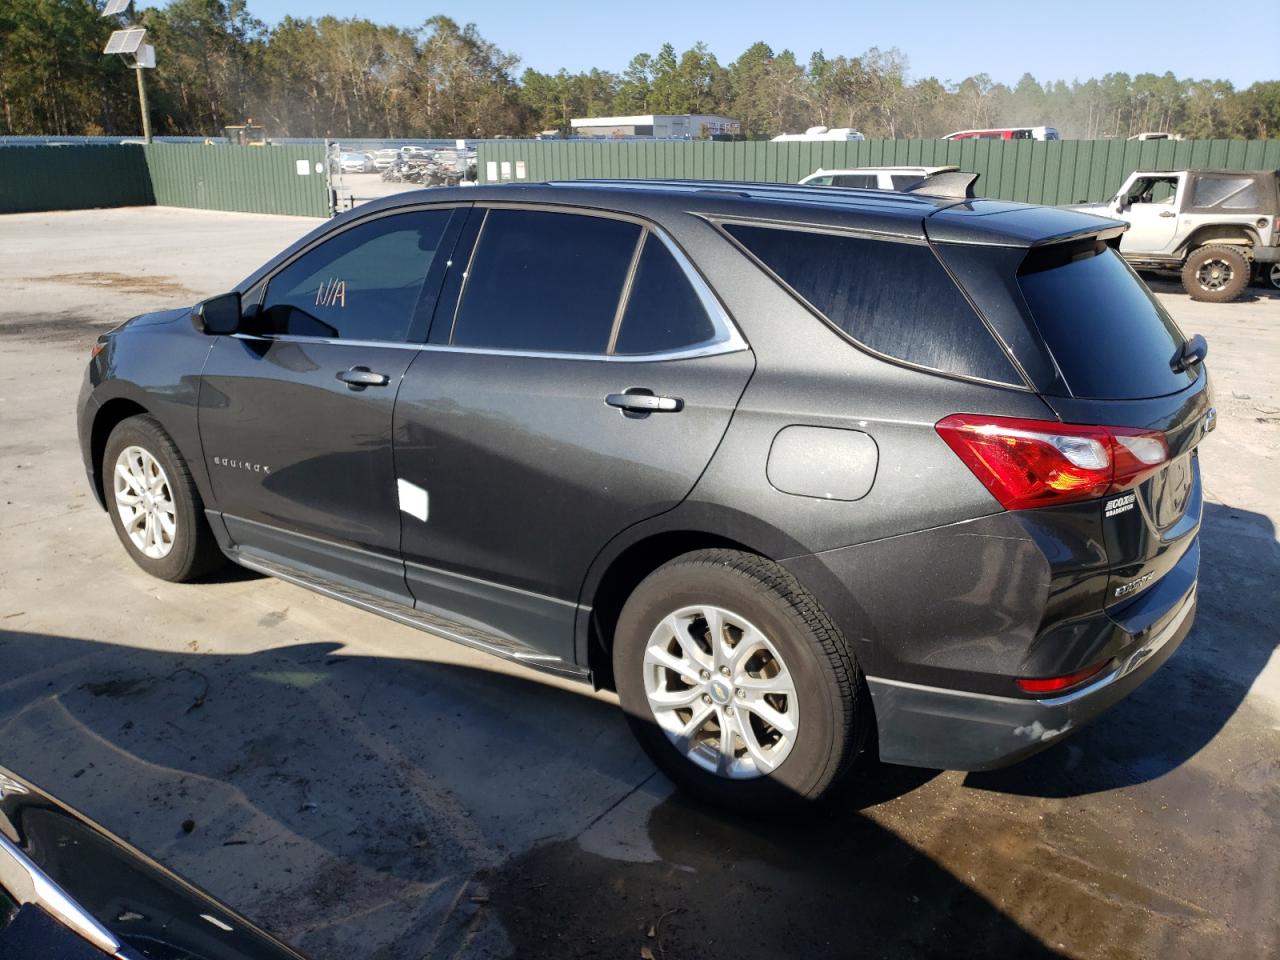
{"points": [[1217, 228]]}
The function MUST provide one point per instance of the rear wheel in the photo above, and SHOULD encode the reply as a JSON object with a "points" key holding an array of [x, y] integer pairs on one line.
{"points": [[735, 681], [1216, 273], [154, 504]]}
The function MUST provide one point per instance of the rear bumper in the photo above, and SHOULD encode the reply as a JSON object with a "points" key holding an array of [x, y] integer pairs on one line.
{"points": [[926, 726]]}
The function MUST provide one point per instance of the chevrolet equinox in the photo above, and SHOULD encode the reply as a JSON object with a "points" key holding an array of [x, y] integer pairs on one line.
{"points": [[794, 470]]}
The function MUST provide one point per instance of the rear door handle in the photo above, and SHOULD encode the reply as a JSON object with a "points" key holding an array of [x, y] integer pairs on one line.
{"points": [[644, 403], [357, 378]]}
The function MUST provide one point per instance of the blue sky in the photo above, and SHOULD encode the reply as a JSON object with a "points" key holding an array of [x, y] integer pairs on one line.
{"points": [[949, 40]]}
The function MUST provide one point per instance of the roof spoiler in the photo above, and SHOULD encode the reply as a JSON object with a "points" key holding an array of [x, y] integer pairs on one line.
{"points": [[953, 185]]}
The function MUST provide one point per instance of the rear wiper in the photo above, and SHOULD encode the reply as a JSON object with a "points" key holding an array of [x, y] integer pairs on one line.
{"points": [[1191, 352]]}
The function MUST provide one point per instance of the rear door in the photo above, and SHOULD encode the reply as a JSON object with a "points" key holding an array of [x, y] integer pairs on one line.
{"points": [[1115, 346], [580, 384]]}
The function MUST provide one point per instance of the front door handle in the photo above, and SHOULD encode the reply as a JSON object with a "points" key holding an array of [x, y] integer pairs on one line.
{"points": [[357, 378], [644, 403], [1167, 213]]}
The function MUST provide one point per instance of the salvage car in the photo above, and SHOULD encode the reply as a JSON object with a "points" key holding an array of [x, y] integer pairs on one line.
{"points": [[69, 890], [795, 470], [1215, 228], [355, 163], [874, 178]]}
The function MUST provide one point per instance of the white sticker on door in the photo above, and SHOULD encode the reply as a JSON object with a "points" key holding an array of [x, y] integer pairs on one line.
{"points": [[413, 499]]}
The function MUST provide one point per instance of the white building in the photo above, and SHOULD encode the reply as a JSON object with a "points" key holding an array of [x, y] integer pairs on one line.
{"points": [[688, 126]]}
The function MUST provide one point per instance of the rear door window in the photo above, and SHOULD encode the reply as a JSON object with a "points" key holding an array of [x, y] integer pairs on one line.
{"points": [[663, 312], [545, 282], [892, 297], [1111, 338]]}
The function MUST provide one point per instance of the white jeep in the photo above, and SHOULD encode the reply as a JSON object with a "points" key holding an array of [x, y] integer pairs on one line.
{"points": [[1215, 227]]}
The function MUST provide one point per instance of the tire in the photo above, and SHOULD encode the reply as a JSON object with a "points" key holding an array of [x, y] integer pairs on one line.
{"points": [[1216, 273], [1269, 275], [183, 547], [789, 636]]}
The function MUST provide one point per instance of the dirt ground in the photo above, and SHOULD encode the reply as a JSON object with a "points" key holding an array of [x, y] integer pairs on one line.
{"points": [[366, 790]]}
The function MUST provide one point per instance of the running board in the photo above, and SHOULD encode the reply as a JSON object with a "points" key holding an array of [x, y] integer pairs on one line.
{"points": [[504, 647]]}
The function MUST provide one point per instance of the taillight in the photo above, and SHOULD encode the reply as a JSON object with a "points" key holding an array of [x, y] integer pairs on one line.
{"points": [[1039, 463], [1064, 682]]}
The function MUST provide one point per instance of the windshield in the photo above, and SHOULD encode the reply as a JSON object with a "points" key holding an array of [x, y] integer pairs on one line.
{"points": [[1110, 336]]}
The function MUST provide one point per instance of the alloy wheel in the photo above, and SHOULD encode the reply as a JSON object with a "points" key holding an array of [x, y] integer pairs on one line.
{"points": [[1214, 274], [144, 500], [1274, 275], [720, 691]]}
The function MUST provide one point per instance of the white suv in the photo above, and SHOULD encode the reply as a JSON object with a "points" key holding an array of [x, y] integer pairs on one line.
{"points": [[874, 178]]}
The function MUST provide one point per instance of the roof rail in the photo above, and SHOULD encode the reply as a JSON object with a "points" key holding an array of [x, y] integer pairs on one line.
{"points": [[953, 185]]}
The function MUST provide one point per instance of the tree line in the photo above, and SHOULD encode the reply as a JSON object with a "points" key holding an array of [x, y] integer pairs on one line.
{"points": [[332, 77]]}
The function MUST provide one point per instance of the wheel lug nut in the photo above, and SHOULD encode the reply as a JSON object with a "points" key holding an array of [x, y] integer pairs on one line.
{"points": [[706, 674], [706, 698], [724, 671], [729, 711], [742, 694]]}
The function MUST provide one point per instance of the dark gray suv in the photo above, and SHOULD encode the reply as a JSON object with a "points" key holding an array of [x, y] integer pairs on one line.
{"points": [[794, 470]]}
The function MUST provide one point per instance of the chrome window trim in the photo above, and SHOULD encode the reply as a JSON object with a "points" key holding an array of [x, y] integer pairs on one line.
{"points": [[28, 884], [708, 349], [728, 338]]}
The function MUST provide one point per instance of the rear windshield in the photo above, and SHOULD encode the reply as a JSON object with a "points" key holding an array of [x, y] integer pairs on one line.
{"points": [[1110, 337]]}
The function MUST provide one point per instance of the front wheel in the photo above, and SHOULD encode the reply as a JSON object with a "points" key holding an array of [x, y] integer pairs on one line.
{"points": [[1216, 273], [154, 504], [737, 683]]}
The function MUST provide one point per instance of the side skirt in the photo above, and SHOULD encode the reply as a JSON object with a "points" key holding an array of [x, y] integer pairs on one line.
{"points": [[504, 647]]}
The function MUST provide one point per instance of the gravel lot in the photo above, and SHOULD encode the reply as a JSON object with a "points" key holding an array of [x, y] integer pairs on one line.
{"points": [[366, 790]]}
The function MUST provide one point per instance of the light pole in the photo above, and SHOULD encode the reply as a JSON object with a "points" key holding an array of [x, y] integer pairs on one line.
{"points": [[128, 43]]}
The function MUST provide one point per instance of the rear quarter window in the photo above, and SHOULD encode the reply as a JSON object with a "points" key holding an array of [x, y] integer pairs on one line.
{"points": [[894, 298], [1111, 338]]}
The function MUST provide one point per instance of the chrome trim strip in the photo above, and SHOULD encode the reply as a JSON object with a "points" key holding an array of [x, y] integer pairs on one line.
{"points": [[728, 338], [295, 338], [733, 344], [1131, 663], [625, 298], [27, 883]]}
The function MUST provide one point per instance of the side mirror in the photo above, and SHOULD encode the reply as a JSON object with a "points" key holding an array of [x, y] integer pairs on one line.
{"points": [[218, 315]]}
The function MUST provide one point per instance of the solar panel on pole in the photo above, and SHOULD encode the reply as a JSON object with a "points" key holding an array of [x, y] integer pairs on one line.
{"points": [[115, 6], [125, 41]]}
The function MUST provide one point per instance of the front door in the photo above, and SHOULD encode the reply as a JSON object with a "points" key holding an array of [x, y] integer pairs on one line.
{"points": [[296, 410], [581, 386], [1153, 204]]}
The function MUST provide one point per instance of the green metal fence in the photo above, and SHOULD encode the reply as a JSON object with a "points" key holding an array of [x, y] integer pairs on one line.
{"points": [[287, 180], [249, 179], [73, 178], [1064, 171]]}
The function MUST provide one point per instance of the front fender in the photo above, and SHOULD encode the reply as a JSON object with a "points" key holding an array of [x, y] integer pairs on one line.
{"points": [[156, 370]]}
